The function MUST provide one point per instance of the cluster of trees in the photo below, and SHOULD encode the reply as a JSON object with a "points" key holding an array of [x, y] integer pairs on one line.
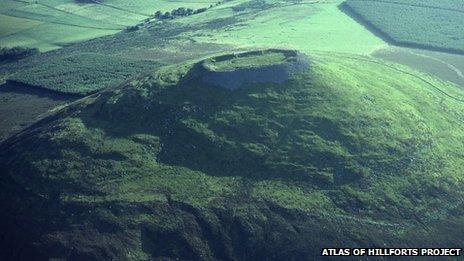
{"points": [[182, 11], [179, 12], [132, 28], [16, 53]]}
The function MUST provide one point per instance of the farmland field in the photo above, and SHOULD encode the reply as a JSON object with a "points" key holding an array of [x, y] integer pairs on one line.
{"points": [[51, 24], [436, 25]]}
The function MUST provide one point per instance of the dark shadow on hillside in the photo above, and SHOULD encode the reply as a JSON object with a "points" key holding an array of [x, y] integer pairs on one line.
{"points": [[20, 106], [387, 38], [12, 87]]}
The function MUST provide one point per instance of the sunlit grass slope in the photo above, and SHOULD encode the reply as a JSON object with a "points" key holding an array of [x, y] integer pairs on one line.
{"points": [[304, 25], [351, 152]]}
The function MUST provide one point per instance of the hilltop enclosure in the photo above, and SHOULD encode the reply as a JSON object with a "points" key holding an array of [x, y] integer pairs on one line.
{"points": [[238, 70]]}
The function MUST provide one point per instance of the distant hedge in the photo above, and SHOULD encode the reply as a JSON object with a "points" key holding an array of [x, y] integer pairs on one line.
{"points": [[16, 53]]}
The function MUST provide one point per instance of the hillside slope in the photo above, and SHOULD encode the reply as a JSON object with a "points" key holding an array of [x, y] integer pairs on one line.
{"points": [[349, 152]]}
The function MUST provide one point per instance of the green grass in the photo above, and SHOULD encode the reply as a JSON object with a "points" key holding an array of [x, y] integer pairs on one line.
{"points": [[334, 151], [11, 25], [438, 26], [304, 26]]}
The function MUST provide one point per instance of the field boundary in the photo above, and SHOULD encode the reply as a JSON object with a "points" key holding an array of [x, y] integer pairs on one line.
{"points": [[345, 8]]}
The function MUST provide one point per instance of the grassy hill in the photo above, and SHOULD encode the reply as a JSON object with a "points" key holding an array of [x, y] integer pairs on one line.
{"points": [[350, 152]]}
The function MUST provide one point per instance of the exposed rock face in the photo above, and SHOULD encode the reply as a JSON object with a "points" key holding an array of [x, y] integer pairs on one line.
{"points": [[292, 63]]}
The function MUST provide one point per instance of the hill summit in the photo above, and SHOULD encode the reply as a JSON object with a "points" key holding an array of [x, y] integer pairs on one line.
{"points": [[237, 70]]}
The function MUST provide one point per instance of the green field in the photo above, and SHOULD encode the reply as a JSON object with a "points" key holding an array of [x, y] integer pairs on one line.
{"points": [[51, 24], [435, 25]]}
